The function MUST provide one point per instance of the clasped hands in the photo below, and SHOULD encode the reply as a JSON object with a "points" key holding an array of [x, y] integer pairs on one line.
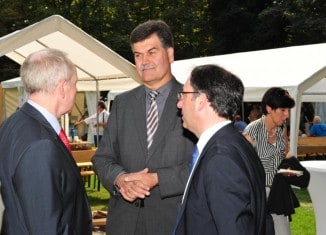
{"points": [[137, 184]]}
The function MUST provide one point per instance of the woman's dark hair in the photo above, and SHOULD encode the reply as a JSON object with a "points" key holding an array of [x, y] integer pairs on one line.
{"points": [[277, 97], [158, 27]]}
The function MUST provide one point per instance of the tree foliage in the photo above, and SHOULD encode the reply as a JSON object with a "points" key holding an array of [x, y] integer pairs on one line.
{"points": [[200, 27]]}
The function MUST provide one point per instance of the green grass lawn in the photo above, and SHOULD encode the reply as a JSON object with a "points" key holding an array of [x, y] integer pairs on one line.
{"points": [[303, 221], [98, 199]]}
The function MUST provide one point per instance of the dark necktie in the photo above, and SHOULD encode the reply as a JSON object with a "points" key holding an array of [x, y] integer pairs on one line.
{"points": [[152, 118], [195, 155], [64, 139]]}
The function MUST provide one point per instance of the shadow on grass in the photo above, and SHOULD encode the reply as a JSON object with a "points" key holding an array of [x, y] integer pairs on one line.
{"points": [[302, 195], [98, 200]]}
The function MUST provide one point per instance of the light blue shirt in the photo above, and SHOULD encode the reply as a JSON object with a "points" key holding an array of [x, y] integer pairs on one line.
{"points": [[48, 116]]}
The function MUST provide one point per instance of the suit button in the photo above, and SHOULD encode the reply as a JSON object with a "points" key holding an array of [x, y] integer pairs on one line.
{"points": [[137, 204]]}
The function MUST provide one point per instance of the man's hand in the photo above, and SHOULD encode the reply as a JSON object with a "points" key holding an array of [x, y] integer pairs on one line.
{"points": [[136, 185]]}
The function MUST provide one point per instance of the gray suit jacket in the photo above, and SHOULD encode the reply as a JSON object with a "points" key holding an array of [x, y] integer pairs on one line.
{"points": [[124, 148], [42, 189]]}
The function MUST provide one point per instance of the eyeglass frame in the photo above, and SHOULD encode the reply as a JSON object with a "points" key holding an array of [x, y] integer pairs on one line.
{"points": [[181, 93]]}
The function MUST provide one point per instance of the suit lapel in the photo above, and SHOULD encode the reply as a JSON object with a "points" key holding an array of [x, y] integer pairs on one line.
{"points": [[212, 140], [49, 132], [170, 110], [139, 117], [138, 105]]}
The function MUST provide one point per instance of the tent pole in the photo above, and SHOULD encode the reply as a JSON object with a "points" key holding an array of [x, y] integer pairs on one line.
{"points": [[97, 121]]}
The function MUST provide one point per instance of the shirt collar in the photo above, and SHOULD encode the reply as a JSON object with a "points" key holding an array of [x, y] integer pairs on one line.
{"points": [[47, 115], [207, 134]]}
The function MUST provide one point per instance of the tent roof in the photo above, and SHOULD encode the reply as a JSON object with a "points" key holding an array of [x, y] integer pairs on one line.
{"points": [[299, 69], [94, 60], [291, 67], [114, 85], [12, 83]]}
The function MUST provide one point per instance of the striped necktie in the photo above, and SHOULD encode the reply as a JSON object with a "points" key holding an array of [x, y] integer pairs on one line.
{"points": [[152, 118], [64, 139]]}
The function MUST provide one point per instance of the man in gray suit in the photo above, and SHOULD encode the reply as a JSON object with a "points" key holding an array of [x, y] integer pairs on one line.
{"points": [[146, 183]]}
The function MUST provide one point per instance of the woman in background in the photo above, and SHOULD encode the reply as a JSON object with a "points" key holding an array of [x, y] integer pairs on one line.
{"points": [[269, 137]]}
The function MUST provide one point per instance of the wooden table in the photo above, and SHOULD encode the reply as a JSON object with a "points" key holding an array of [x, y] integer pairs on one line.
{"points": [[311, 149], [80, 145], [83, 155], [311, 146]]}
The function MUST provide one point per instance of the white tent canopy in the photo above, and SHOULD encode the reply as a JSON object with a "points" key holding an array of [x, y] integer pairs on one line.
{"points": [[112, 85], [299, 69], [98, 67], [94, 60]]}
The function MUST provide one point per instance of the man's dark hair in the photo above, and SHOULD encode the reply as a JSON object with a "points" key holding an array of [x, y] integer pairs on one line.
{"points": [[101, 104], [223, 89], [158, 27]]}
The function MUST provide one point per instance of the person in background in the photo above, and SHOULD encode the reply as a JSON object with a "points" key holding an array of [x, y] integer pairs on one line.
{"points": [[42, 189], [239, 124], [100, 118], [255, 113], [318, 128], [146, 170], [269, 137], [225, 192]]}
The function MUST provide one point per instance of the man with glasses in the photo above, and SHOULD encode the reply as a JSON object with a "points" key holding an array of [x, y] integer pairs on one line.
{"points": [[225, 193]]}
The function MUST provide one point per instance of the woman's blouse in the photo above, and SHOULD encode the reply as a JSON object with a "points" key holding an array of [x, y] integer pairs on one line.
{"points": [[270, 155]]}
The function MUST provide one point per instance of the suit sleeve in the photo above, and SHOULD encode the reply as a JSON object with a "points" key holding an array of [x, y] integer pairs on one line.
{"points": [[105, 159]]}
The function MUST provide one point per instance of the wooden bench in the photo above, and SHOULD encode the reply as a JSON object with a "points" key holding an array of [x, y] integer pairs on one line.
{"points": [[83, 159], [99, 220]]}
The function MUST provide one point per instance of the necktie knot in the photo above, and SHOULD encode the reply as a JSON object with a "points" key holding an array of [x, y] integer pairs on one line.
{"points": [[153, 95]]}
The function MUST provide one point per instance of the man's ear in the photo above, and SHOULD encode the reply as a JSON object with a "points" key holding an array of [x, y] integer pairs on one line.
{"points": [[62, 88], [201, 101], [170, 51]]}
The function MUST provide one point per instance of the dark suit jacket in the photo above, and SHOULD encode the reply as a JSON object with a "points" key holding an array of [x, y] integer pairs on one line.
{"points": [[124, 148], [41, 187], [226, 194]]}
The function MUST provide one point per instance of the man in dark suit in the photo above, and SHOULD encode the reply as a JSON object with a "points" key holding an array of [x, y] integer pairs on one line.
{"points": [[42, 189], [146, 177], [225, 193]]}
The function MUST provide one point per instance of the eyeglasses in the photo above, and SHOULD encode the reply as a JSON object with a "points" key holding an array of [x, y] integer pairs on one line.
{"points": [[181, 93]]}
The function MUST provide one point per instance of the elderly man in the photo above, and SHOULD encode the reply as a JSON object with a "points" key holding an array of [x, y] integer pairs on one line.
{"points": [[318, 128], [42, 189]]}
